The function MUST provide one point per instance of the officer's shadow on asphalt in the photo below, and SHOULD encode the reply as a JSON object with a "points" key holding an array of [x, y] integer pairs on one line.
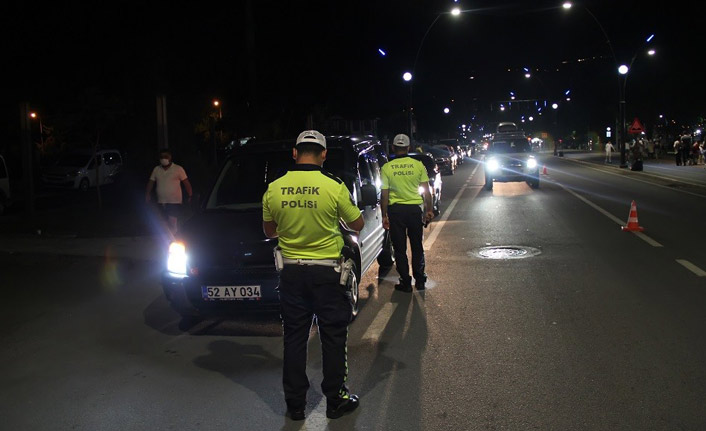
{"points": [[250, 366], [396, 369]]}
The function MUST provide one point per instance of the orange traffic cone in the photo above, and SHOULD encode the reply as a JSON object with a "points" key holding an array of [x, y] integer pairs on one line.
{"points": [[633, 226], [544, 171]]}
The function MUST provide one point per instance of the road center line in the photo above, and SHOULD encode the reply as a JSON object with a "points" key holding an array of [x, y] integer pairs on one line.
{"points": [[429, 241], [640, 235], [691, 267]]}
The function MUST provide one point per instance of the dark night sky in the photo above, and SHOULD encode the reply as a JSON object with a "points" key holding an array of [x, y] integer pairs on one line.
{"points": [[323, 55]]}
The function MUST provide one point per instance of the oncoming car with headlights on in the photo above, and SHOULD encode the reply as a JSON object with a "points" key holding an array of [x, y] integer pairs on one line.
{"points": [[509, 158]]}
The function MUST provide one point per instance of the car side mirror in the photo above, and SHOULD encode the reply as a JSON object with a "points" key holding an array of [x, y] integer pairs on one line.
{"points": [[369, 195]]}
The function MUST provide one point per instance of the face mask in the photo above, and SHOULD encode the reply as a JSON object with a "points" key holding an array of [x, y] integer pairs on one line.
{"points": [[164, 162]]}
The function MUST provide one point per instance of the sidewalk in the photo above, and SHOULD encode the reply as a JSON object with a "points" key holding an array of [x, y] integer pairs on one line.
{"points": [[68, 223], [665, 167]]}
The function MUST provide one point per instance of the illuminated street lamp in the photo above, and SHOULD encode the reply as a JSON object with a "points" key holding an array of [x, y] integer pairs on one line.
{"points": [[446, 110], [33, 115], [454, 12], [623, 72], [407, 76]]}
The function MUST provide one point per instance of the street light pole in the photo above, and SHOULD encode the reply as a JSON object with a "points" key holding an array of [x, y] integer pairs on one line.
{"points": [[454, 12], [623, 70]]}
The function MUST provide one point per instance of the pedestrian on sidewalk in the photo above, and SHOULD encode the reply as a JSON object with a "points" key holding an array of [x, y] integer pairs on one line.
{"points": [[695, 153], [677, 151], [168, 177], [685, 149], [650, 149], [609, 148], [701, 153]]}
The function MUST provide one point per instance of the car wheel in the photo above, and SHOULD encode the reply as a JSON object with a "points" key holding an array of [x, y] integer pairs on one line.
{"points": [[387, 256], [83, 185], [534, 183], [488, 183], [352, 290]]}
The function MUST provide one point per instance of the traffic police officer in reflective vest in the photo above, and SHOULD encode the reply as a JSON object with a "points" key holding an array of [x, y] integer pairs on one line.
{"points": [[303, 208], [400, 202]]}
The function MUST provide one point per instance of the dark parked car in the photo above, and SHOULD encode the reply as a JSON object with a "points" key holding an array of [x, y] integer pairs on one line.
{"points": [[454, 146], [510, 158], [443, 159], [434, 178], [222, 264]]}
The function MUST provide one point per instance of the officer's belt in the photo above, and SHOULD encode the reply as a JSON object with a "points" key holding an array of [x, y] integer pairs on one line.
{"points": [[320, 262]]}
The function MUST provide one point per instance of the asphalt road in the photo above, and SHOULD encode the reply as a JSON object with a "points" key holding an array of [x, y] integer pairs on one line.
{"points": [[597, 329]]}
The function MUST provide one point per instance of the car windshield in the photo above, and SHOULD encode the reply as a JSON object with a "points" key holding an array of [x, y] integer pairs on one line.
{"points": [[511, 146], [73, 160], [438, 152], [245, 177]]}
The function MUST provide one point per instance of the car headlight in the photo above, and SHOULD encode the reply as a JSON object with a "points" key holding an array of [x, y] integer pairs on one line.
{"points": [[176, 260], [492, 165], [531, 163]]}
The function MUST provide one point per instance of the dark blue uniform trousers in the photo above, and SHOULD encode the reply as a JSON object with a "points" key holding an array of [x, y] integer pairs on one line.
{"points": [[406, 221], [305, 291]]}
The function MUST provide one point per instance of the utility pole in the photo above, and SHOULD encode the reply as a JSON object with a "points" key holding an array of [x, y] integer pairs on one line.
{"points": [[162, 129]]}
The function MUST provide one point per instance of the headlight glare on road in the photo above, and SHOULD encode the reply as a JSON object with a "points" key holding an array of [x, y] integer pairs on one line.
{"points": [[531, 163], [492, 165], [176, 261]]}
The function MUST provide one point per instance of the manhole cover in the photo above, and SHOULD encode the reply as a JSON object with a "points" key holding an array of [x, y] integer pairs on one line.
{"points": [[506, 252]]}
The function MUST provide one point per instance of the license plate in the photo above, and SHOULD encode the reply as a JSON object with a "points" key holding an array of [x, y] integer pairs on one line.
{"points": [[229, 293]]}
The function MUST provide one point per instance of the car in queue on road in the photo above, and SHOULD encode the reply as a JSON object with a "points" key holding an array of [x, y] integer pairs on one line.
{"points": [[79, 169], [510, 158], [222, 265], [434, 175], [442, 158], [452, 151], [455, 147]]}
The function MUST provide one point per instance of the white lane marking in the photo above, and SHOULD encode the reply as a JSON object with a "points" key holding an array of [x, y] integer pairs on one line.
{"points": [[647, 239], [691, 267], [587, 164], [640, 235], [429, 241], [380, 322]]}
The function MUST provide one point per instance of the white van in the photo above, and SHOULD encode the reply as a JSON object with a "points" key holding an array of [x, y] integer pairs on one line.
{"points": [[78, 169], [4, 186]]}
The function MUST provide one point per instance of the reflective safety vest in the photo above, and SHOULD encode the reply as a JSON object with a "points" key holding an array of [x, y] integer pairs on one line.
{"points": [[402, 177], [306, 204]]}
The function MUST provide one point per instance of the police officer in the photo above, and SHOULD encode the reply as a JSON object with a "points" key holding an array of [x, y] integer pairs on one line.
{"points": [[302, 208], [401, 212]]}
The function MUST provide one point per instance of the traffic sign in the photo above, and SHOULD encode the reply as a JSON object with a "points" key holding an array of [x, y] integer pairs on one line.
{"points": [[636, 127]]}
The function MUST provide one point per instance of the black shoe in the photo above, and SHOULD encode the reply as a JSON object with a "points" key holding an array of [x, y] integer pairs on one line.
{"points": [[296, 414], [403, 287], [339, 408], [420, 286]]}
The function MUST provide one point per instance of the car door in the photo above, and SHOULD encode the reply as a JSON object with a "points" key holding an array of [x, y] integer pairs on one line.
{"points": [[372, 235]]}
